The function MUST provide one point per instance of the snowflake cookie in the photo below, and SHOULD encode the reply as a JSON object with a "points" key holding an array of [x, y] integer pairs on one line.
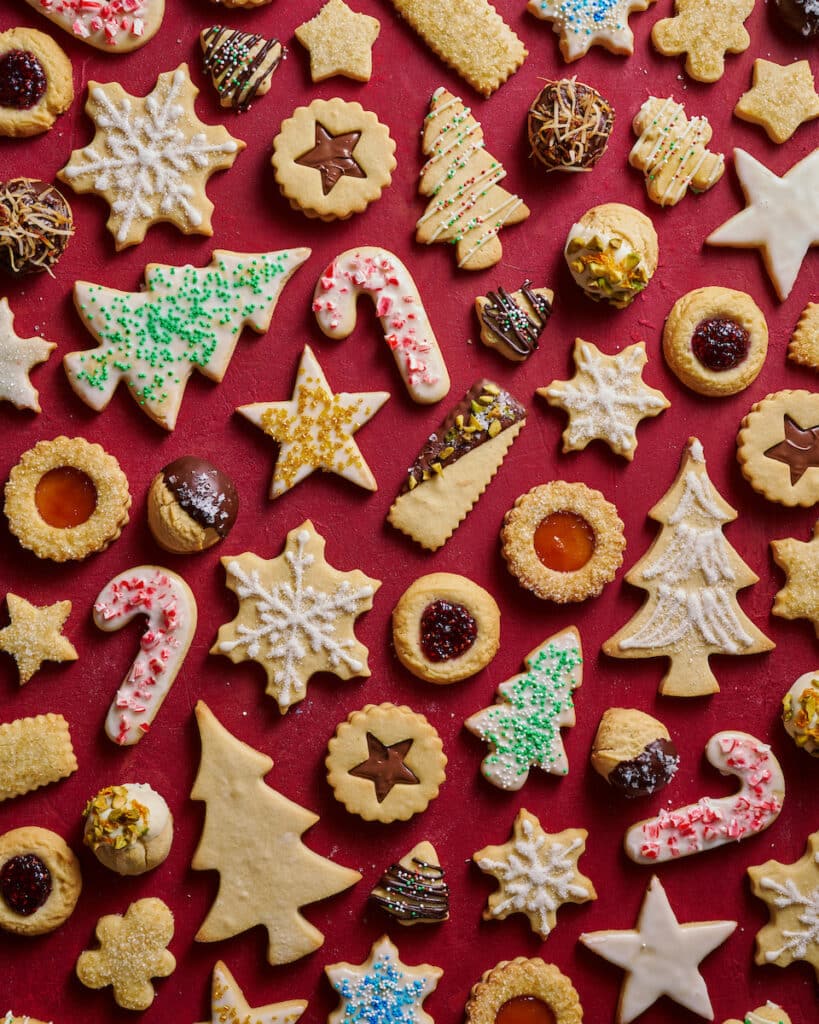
{"points": [[792, 894], [18, 356], [584, 23], [151, 157], [606, 399], [536, 872], [382, 990], [296, 615]]}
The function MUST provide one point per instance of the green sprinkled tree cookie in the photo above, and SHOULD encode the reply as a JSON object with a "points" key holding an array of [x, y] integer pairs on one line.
{"points": [[523, 726]]}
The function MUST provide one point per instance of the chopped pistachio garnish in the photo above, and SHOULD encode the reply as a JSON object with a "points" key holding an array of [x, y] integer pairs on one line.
{"points": [[113, 818]]}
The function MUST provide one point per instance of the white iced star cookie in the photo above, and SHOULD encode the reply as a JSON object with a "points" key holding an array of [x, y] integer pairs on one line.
{"points": [[17, 358], [606, 399], [781, 218], [660, 956], [584, 23], [382, 990], [228, 1003]]}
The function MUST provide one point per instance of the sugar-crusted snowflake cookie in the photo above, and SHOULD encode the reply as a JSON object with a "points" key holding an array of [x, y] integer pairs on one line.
{"points": [[18, 356], [382, 990], [606, 399], [296, 615], [151, 157], [584, 23], [228, 1003], [792, 894], [704, 30], [537, 873]]}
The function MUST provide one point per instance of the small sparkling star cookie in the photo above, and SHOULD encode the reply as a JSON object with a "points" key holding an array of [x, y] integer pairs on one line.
{"points": [[536, 872], [228, 1003], [704, 30], [799, 561], [532, 988], [18, 356], [40, 881], [34, 635], [340, 42], [782, 96], [803, 347], [778, 448], [35, 82], [585, 23]]}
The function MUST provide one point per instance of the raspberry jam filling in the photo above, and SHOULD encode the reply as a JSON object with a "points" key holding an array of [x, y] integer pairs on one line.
{"points": [[564, 541], [720, 344], [25, 883], [524, 1010], [65, 497], [22, 80], [447, 631]]}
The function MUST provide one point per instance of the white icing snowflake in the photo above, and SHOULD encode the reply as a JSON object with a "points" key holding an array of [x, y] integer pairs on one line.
{"points": [[153, 155], [788, 894]]}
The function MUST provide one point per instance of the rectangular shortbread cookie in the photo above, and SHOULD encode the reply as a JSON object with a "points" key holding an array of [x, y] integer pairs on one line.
{"points": [[33, 753]]}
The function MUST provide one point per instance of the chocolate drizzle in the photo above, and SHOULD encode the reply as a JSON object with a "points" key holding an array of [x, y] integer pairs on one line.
{"points": [[206, 493], [35, 225], [413, 895], [569, 125], [239, 62], [649, 771], [510, 321]]}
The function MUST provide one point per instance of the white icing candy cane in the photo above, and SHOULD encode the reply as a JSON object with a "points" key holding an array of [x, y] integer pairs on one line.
{"points": [[105, 23], [713, 822], [407, 331], [170, 607]]}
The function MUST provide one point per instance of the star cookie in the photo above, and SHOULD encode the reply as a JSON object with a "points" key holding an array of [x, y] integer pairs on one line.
{"points": [[584, 23], [781, 98], [606, 399], [151, 157], [17, 357], [792, 894], [382, 990], [781, 218], [296, 616], [314, 430], [228, 1003], [661, 956], [800, 562], [339, 42], [704, 30], [804, 344], [537, 873], [34, 635], [131, 952]]}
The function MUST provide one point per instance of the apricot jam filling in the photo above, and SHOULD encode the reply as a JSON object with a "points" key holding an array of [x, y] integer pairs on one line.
{"points": [[564, 541], [65, 497]]}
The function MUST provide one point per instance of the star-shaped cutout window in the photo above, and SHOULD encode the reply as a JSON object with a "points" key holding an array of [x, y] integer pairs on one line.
{"points": [[385, 766], [799, 450], [332, 156]]}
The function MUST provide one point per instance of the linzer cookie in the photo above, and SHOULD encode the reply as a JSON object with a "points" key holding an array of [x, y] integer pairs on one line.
{"points": [[592, 23], [634, 752], [40, 881], [778, 447], [413, 890], [340, 42], [34, 752], [569, 125], [240, 64], [527, 987], [116, 26], [192, 505], [512, 323], [18, 357], [35, 226], [36, 83], [466, 205], [35, 635], [704, 30], [456, 464]]}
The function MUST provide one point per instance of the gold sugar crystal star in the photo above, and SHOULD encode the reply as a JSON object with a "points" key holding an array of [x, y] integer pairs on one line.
{"points": [[34, 635], [781, 98], [340, 42]]}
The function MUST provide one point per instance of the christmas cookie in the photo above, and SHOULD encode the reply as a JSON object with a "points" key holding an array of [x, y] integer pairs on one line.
{"points": [[791, 892], [770, 1013], [192, 505], [184, 319], [110, 25], [66, 499], [612, 253], [799, 15], [332, 159], [445, 628], [800, 712], [715, 821], [40, 881], [456, 464], [129, 828], [691, 575], [671, 151], [584, 23], [715, 340], [523, 989], [18, 357], [800, 563], [606, 399], [228, 1003], [34, 752], [523, 726], [704, 30], [569, 124], [34, 635], [563, 541], [385, 763], [35, 226], [10, 1018], [513, 323], [803, 347], [536, 872], [340, 42], [296, 616], [778, 447], [782, 97], [634, 752], [413, 890], [35, 82], [240, 64]]}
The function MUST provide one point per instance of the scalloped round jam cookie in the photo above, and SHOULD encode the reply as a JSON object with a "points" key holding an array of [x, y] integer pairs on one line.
{"points": [[129, 828], [67, 499], [800, 712], [634, 752], [40, 881], [192, 505], [35, 226], [385, 763], [563, 541], [569, 124], [524, 991], [332, 159], [778, 447], [715, 340], [35, 82], [445, 628]]}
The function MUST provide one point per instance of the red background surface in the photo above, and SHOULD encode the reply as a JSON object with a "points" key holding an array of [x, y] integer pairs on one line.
{"points": [[37, 975]]}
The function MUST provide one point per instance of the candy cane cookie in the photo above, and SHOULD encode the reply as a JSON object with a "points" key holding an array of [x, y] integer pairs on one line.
{"points": [[381, 275], [170, 607], [713, 822]]}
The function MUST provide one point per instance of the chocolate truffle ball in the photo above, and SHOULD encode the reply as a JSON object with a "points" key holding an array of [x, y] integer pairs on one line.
{"points": [[192, 505], [35, 225], [569, 125], [800, 15], [634, 752]]}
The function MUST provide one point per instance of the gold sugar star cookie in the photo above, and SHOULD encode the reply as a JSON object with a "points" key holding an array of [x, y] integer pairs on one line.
{"points": [[800, 562], [781, 97], [228, 1003], [34, 635], [804, 344], [340, 42], [537, 873], [17, 357], [314, 430]]}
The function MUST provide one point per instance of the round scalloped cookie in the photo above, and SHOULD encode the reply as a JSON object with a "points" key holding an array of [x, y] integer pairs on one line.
{"points": [[35, 82], [40, 881], [511, 991], [778, 448]]}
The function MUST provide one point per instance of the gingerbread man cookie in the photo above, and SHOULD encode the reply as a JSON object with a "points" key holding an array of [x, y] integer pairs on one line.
{"points": [[704, 30]]}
